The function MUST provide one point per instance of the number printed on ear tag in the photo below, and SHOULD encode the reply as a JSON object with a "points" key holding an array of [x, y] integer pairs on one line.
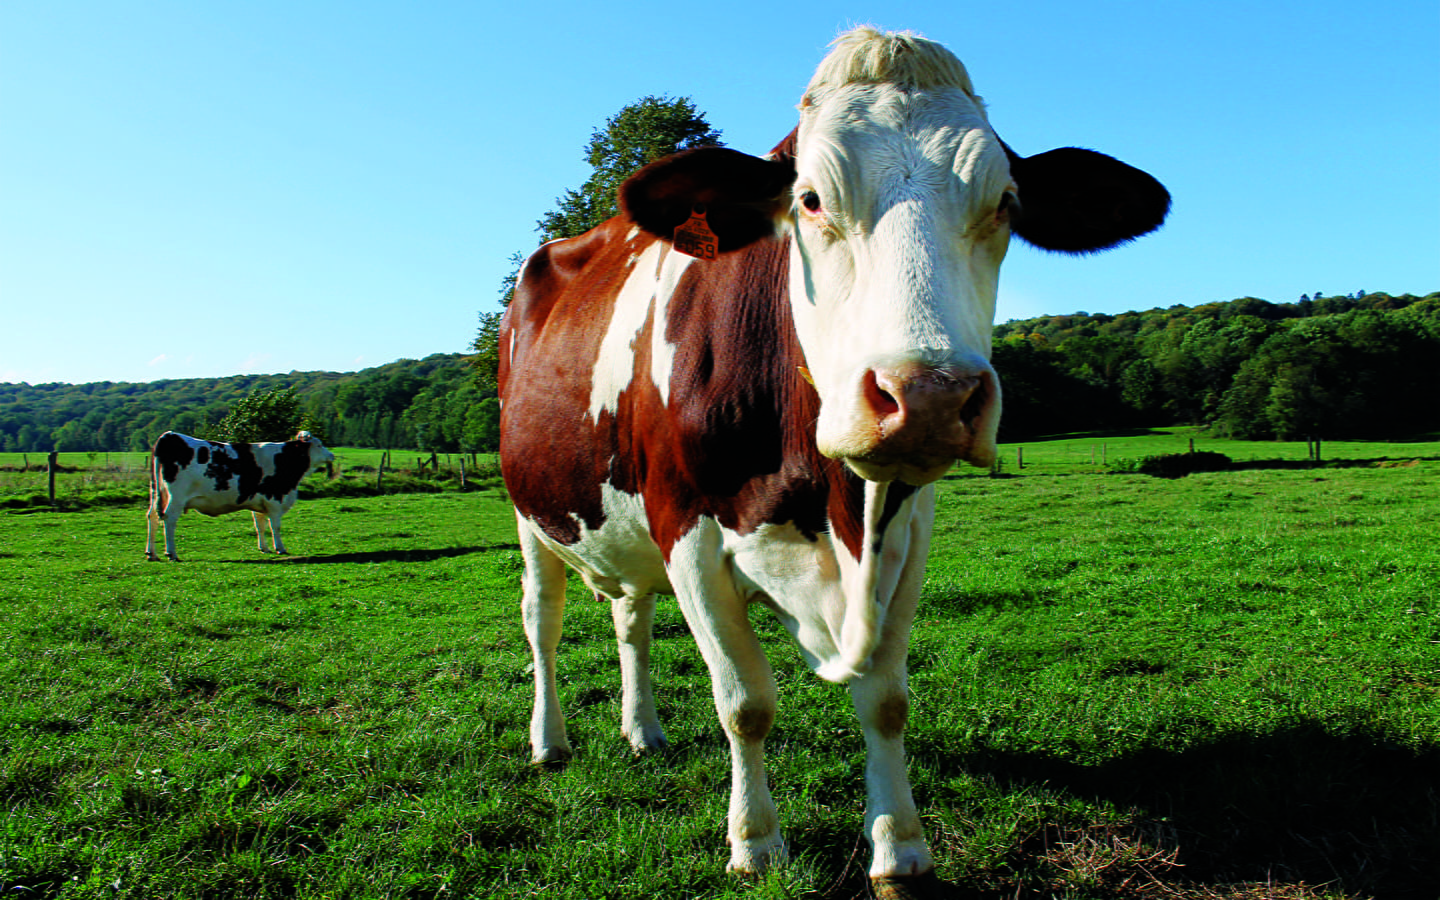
{"points": [[694, 237]]}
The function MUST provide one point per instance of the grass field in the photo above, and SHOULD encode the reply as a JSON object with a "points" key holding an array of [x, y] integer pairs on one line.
{"points": [[1225, 685]]}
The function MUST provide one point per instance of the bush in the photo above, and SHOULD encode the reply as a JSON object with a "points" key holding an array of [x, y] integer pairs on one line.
{"points": [[1173, 465]]}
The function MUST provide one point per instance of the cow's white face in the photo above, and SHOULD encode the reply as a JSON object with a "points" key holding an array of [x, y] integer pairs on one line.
{"points": [[900, 223], [898, 200]]}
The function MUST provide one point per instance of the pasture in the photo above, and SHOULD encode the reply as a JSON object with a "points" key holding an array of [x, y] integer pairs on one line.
{"points": [[1220, 686]]}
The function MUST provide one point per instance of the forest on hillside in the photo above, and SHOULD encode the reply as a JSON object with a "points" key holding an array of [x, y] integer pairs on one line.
{"points": [[1347, 366]]}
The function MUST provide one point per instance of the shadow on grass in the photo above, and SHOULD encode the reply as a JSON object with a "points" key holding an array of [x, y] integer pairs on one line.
{"points": [[1373, 463], [377, 556], [1300, 805]]}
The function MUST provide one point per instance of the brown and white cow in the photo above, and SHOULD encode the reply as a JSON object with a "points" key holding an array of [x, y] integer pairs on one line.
{"points": [[215, 478], [765, 427]]}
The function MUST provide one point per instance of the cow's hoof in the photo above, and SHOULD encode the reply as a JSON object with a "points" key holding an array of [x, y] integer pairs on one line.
{"points": [[644, 744], [757, 855], [551, 757], [927, 886]]}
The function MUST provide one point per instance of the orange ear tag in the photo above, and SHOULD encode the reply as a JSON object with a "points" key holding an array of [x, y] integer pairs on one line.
{"points": [[694, 237]]}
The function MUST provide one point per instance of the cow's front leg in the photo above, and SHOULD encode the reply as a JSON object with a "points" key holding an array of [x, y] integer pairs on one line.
{"points": [[272, 517], [744, 690], [634, 623], [891, 822], [259, 521]]}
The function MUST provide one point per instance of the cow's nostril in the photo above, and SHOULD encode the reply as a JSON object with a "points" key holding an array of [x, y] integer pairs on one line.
{"points": [[881, 401], [975, 400]]}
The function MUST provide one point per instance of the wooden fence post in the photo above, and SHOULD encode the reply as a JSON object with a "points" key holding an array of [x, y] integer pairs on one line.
{"points": [[462, 471], [1019, 457], [51, 464], [380, 473]]}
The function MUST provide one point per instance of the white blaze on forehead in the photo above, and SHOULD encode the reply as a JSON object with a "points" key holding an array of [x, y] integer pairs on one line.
{"points": [[654, 272]]}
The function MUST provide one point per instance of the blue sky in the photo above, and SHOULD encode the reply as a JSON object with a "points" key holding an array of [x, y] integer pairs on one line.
{"points": [[194, 189]]}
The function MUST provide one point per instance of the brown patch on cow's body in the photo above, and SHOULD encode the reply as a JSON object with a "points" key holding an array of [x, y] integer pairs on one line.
{"points": [[735, 442], [555, 464]]}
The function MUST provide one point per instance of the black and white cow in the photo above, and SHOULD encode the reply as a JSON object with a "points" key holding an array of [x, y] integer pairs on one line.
{"points": [[214, 478]]}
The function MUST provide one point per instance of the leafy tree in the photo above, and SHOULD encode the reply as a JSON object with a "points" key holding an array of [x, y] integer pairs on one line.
{"points": [[486, 347], [262, 416], [640, 133]]}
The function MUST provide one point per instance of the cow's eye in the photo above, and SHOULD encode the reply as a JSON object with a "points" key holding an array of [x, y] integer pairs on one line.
{"points": [[1009, 203], [811, 201]]}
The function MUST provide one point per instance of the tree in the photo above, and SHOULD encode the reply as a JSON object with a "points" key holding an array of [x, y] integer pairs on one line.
{"points": [[485, 364], [262, 416], [646, 130], [640, 133]]}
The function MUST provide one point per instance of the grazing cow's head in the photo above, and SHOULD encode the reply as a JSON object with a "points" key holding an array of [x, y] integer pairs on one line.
{"points": [[319, 454], [899, 200]]}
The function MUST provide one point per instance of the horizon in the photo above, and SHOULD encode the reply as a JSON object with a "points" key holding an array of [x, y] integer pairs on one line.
{"points": [[220, 191]]}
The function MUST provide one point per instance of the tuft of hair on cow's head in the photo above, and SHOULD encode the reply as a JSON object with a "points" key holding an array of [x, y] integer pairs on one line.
{"points": [[1080, 201], [743, 196]]}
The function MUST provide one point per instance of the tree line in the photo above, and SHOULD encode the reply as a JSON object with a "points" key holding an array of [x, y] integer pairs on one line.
{"points": [[1345, 366], [436, 403]]}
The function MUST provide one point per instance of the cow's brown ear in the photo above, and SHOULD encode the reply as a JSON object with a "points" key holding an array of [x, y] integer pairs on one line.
{"points": [[743, 196], [1080, 201]]}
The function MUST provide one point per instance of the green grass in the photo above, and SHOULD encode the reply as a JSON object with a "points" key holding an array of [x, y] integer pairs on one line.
{"points": [[1226, 685]]}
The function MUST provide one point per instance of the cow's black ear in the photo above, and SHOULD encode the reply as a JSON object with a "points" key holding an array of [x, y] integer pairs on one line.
{"points": [[743, 196], [1080, 201]]}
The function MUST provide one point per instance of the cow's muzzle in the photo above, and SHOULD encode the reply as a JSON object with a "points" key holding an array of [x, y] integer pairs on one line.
{"points": [[913, 421]]}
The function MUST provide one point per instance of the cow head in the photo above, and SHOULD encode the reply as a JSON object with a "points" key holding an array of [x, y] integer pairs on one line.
{"points": [[319, 454], [898, 200]]}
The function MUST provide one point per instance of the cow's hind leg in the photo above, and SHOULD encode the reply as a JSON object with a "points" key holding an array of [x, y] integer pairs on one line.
{"points": [[634, 623], [171, 519], [744, 690], [543, 608]]}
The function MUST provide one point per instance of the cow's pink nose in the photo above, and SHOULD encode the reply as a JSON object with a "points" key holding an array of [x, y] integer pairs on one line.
{"points": [[924, 415]]}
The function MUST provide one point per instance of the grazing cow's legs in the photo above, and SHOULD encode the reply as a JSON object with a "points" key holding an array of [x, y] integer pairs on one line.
{"points": [[259, 532], [152, 521], [273, 517], [543, 607], [744, 690], [171, 518], [634, 620]]}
